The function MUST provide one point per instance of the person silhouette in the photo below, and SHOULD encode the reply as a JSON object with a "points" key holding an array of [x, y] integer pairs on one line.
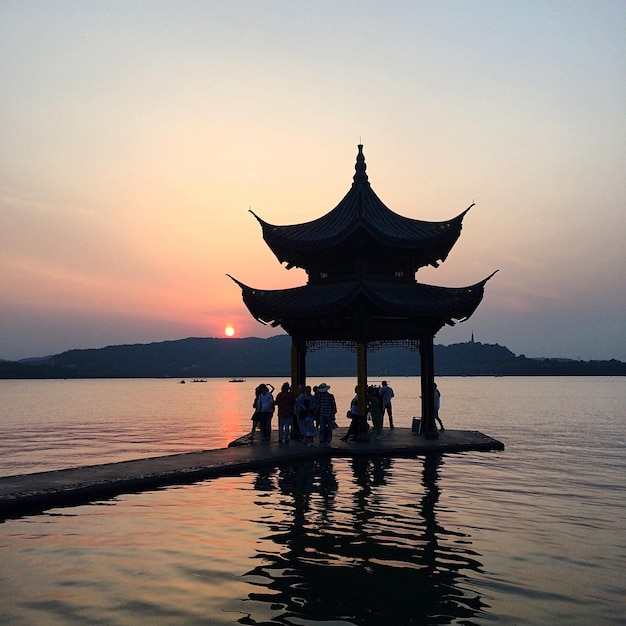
{"points": [[386, 393], [437, 405]]}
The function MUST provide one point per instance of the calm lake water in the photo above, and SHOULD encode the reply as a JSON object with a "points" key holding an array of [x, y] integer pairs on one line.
{"points": [[532, 535]]}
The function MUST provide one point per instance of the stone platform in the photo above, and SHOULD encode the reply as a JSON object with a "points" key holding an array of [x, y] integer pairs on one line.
{"points": [[32, 493]]}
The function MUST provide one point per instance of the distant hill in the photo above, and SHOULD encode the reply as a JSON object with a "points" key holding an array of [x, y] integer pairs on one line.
{"points": [[250, 357]]}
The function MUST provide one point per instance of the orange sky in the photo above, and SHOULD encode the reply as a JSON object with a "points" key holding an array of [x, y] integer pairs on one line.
{"points": [[134, 140]]}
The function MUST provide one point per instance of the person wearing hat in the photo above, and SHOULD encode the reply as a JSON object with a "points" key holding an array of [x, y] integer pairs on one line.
{"points": [[326, 411]]}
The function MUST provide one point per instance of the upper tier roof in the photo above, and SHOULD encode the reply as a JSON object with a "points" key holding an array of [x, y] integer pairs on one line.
{"points": [[362, 216]]}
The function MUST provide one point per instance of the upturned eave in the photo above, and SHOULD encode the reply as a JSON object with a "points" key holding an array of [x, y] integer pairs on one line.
{"points": [[407, 301]]}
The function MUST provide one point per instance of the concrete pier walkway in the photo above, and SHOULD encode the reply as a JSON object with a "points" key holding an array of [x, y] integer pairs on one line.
{"points": [[30, 493]]}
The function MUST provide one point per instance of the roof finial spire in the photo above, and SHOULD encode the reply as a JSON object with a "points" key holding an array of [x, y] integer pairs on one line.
{"points": [[360, 167]]}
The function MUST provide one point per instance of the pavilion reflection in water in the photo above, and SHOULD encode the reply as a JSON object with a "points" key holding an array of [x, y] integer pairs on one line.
{"points": [[377, 556]]}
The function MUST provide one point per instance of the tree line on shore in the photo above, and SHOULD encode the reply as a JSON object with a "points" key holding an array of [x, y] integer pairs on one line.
{"points": [[251, 357]]}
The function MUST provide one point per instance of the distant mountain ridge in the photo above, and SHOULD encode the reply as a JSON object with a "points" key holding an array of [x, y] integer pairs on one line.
{"points": [[252, 357]]}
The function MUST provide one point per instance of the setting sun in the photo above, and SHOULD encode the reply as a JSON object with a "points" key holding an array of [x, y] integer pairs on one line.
{"points": [[229, 331]]}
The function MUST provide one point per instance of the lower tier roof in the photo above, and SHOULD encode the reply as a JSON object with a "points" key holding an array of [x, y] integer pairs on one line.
{"points": [[388, 309]]}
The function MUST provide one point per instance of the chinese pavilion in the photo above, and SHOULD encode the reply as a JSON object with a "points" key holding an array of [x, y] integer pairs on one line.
{"points": [[361, 259]]}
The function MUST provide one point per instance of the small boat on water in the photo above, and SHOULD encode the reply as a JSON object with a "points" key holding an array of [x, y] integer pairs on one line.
{"points": [[198, 380], [237, 380]]}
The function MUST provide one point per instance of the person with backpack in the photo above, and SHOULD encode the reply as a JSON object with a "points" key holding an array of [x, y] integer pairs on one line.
{"points": [[301, 409], [285, 404]]}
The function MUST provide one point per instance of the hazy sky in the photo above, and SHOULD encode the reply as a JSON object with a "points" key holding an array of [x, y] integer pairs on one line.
{"points": [[135, 136]]}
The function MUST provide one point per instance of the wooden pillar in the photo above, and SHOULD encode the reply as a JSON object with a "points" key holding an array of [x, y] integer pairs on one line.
{"points": [[298, 363], [427, 354], [361, 371], [294, 366]]}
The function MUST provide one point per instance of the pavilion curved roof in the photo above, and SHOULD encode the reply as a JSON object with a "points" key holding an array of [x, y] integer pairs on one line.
{"points": [[447, 305], [361, 213]]}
